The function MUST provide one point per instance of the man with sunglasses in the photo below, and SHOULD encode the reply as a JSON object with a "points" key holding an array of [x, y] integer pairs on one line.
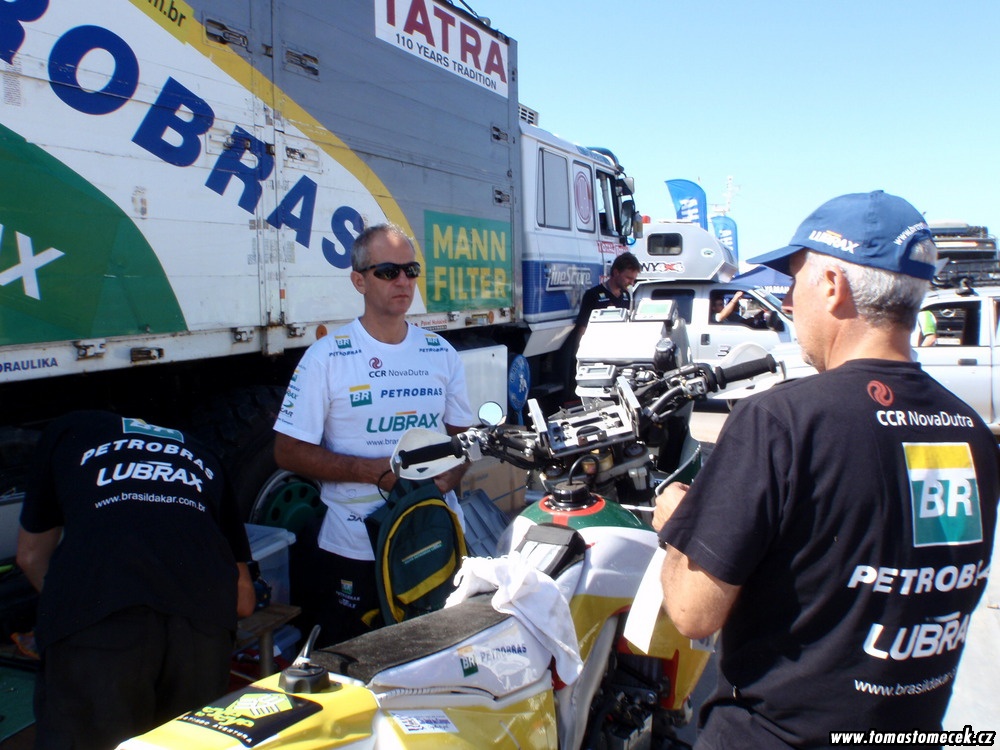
{"points": [[353, 394]]}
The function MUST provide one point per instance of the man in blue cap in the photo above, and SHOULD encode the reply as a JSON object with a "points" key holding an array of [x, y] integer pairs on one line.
{"points": [[843, 556]]}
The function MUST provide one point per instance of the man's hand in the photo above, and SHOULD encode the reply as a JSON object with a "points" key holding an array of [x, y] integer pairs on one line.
{"points": [[449, 480], [667, 502]]}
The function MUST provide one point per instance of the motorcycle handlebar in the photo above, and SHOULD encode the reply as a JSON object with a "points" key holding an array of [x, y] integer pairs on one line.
{"points": [[430, 453], [744, 370], [510, 439]]}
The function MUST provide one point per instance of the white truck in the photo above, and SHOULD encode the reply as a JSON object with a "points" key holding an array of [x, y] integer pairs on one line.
{"points": [[965, 301], [958, 240], [182, 183], [685, 270]]}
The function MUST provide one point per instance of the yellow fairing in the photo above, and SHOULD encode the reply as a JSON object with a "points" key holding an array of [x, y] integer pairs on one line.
{"points": [[529, 724], [331, 719], [591, 612]]}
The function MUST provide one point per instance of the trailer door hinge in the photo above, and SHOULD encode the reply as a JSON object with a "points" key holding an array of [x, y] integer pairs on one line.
{"points": [[145, 353], [296, 330], [499, 135], [500, 197], [218, 32], [308, 63], [90, 348], [243, 334]]}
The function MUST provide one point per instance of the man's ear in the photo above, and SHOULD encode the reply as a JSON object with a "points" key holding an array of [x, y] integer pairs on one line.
{"points": [[837, 290], [358, 279]]}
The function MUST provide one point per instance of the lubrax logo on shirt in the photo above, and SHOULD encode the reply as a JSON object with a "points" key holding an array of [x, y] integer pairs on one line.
{"points": [[155, 471], [944, 494]]}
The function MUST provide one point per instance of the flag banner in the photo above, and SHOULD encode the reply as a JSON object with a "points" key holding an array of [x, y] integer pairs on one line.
{"points": [[689, 201], [725, 232]]}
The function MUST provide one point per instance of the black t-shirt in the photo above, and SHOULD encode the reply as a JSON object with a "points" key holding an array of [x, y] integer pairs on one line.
{"points": [[597, 298], [148, 519], [856, 509]]}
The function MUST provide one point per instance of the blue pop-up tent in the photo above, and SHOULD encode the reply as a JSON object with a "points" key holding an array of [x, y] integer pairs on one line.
{"points": [[768, 279]]}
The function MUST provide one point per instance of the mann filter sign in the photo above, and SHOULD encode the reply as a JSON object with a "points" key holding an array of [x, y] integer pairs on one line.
{"points": [[434, 32], [469, 262]]}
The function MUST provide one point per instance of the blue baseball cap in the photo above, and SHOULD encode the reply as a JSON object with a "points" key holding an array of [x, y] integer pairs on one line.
{"points": [[869, 229]]}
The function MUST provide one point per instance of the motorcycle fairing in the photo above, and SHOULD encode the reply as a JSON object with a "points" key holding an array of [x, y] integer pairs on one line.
{"points": [[525, 721], [251, 717]]}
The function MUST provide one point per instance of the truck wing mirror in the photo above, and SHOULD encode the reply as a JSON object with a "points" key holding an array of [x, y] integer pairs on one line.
{"points": [[627, 219]]}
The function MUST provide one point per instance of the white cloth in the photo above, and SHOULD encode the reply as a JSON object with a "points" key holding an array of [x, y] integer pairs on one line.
{"points": [[530, 596], [356, 396]]}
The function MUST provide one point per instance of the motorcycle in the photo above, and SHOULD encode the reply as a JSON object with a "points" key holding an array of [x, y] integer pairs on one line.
{"points": [[530, 651]]}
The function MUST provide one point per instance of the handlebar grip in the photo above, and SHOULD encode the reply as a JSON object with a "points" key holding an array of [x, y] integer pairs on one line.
{"points": [[431, 453], [508, 439], [745, 370]]}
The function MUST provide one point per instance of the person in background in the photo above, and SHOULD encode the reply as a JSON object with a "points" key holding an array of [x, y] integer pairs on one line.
{"points": [[341, 420], [843, 557], [927, 328], [131, 534], [613, 293], [728, 312]]}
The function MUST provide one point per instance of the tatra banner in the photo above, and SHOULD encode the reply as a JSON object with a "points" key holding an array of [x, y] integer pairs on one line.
{"points": [[689, 201]]}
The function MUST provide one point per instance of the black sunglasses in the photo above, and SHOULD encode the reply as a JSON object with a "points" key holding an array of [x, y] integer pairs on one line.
{"points": [[389, 271]]}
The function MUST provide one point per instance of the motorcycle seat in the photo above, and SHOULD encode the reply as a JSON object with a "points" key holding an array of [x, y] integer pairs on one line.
{"points": [[369, 654]]}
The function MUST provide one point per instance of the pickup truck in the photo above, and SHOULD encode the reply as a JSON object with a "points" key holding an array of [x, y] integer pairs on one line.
{"points": [[686, 273], [965, 301]]}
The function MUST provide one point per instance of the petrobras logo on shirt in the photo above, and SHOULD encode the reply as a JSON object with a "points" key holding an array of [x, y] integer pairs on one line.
{"points": [[944, 494], [360, 395], [344, 347], [410, 392], [139, 427], [897, 640]]}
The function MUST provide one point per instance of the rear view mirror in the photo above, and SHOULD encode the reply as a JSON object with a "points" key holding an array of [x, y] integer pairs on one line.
{"points": [[491, 413], [628, 217]]}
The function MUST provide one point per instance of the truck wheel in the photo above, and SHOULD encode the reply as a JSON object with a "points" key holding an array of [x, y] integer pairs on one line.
{"points": [[239, 427]]}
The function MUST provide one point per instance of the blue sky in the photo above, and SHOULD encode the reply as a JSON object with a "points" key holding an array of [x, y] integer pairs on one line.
{"points": [[797, 101]]}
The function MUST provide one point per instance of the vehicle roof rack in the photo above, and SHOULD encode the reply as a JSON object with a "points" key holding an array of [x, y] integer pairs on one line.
{"points": [[964, 274]]}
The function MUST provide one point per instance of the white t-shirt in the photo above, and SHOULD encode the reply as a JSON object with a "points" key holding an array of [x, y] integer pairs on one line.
{"points": [[356, 396]]}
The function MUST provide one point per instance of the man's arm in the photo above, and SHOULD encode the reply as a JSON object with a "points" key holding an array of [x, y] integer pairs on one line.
{"points": [[729, 308], [246, 597], [34, 552], [316, 462], [697, 602]]}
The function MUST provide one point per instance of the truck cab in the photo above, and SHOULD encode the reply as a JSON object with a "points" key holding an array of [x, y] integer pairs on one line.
{"points": [[687, 274], [965, 358]]}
